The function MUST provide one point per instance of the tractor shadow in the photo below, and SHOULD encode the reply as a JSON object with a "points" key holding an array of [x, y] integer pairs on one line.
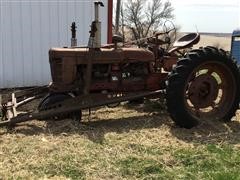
{"points": [[210, 133], [149, 115], [93, 130], [146, 116]]}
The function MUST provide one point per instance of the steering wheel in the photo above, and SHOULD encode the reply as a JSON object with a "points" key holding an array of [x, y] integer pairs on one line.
{"points": [[170, 31], [168, 34]]}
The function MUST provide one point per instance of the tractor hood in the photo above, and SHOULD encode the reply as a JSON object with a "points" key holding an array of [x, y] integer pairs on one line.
{"points": [[103, 55]]}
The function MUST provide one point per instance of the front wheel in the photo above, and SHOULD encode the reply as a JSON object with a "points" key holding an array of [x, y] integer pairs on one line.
{"points": [[204, 85], [49, 103]]}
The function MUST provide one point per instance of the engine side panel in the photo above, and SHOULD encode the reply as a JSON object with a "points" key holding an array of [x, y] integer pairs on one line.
{"points": [[68, 65]]}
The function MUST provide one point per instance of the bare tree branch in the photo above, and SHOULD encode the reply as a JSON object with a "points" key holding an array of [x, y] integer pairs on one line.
{"points": [[146, 16]]}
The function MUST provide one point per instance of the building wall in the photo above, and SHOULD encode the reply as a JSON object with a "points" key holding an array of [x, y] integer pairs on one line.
{"points": [[29, 28]]}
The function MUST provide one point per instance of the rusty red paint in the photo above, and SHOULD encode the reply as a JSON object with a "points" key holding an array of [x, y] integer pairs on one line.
{"points": [[110, 12]]}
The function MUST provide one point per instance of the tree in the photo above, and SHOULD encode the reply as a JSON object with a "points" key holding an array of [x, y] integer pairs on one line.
{"points": [[146, 16]]}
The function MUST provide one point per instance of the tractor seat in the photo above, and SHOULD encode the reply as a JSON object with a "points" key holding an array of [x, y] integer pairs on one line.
{"points": [[186, 41]]}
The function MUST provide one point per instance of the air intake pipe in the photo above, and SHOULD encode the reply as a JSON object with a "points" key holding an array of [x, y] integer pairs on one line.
{"points": [[73, 39]]}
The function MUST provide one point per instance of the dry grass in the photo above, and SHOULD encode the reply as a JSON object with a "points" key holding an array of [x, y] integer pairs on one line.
{"points": [[121, 143], [219, 42]]}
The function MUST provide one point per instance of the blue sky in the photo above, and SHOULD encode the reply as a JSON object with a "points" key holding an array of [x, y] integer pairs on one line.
{"points": [[207, 15]]}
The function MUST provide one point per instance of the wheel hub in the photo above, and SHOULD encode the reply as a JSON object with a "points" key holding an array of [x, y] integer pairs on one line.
{"points": [[203, 91]]}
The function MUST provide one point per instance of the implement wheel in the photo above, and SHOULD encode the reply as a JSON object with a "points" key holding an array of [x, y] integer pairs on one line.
{"points": [[204, 85]]}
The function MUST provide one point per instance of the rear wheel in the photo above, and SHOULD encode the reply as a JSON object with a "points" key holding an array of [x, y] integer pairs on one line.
{"points": [[204, 85], [51, 99]]}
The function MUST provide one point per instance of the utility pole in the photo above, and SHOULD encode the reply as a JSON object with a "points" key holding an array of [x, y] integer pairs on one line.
{"points": [[117, 16]]}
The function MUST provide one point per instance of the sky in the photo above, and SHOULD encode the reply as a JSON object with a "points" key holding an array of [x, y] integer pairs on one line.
{"points": [[217, 16]]}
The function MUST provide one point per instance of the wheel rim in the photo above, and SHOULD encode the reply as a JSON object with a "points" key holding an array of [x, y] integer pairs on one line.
{"points": [[210, 91]]}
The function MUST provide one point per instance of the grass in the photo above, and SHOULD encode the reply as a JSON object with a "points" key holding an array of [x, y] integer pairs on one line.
{"points": [[65, 166], [121, 143], [207, 162]]}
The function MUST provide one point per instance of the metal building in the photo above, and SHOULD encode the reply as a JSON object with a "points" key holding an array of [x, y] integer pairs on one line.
{"points": [[235, 47], [29, 28]]}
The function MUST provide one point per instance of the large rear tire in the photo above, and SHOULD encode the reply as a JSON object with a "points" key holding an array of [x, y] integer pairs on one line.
{"points": [[204, 85]]}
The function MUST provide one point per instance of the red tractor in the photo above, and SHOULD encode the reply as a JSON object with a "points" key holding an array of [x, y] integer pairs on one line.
{"points": [[199, 84]]}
